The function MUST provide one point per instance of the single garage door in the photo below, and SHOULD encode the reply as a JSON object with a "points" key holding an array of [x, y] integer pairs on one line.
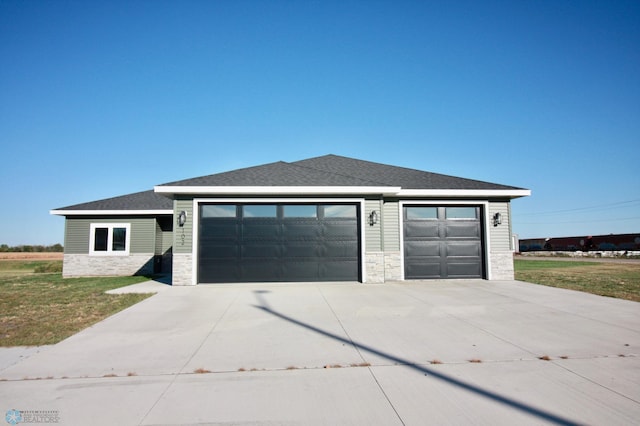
{"points": [[278, 242], [442, 242]]}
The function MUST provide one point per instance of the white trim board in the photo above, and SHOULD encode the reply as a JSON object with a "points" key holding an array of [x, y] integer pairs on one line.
{"points": [[108, 212], [338, 190]]}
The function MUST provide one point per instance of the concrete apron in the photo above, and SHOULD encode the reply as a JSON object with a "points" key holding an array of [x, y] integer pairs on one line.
{"points": [[437, 352]]}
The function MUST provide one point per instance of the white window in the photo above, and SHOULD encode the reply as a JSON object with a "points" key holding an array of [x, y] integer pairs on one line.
{"points": [[109, 239]]}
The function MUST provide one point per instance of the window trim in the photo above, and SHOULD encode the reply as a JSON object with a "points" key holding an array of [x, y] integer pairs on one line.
{"points": [[109, 251]]}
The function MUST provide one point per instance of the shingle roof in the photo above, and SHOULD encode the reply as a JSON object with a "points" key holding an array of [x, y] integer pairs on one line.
{"points": [[393, 175], [325, 171], [141, 201], [333, 170], [275, 174]]}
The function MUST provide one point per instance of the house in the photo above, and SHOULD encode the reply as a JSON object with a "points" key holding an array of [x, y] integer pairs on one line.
{"points": [[328, 218]]}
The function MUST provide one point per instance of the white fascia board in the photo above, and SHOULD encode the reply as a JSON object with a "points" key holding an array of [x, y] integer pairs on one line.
{"points": [[465, 193], [278, 190], [108, 212]]}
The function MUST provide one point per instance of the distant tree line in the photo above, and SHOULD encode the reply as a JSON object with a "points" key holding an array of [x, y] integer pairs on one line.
{"points": [[31, 249]]}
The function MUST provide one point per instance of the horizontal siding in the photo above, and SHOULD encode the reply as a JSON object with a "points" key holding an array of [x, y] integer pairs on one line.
{"points": [[167, 241], [143, 235], [158, 249], [391, 220], [183, 235], [500, 235], [373, 237], [77, 233]]}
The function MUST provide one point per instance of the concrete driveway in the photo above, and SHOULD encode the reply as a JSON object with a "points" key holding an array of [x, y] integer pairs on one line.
{"points": [[414, 353]]}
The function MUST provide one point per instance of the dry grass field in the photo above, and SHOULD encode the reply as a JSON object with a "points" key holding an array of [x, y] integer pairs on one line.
{"points": [[31, 256], [39, 307], [619, 280]]}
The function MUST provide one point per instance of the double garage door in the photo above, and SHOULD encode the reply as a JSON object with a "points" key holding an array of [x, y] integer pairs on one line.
{"points": [[278, 242], [442, 242]]}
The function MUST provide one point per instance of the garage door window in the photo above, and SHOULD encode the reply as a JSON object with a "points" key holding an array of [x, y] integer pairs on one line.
{"points": [[220, 210], [260, 210], [300, 210], [461, 213], [422, 213], [340, 211]]}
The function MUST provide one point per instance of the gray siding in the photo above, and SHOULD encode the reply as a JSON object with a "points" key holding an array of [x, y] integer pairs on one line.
{"points": [[500, 236], [167, 241], [373, 238], [183, 235], [391, 224], [158, 249], [143, 233]]}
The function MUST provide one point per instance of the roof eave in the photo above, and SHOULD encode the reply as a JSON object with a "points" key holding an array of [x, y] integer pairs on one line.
{"points": [[337, 190], [465, 193], [62, 212], [277, 190]]}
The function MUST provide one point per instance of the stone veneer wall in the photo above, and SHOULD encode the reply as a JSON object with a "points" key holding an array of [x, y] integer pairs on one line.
{"points": [[182, 269], [502, 265], [84, 265], [374, 264], [392, 266]]}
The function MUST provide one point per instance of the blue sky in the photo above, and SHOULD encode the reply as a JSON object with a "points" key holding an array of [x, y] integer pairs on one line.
{"points": [[99, 99]]}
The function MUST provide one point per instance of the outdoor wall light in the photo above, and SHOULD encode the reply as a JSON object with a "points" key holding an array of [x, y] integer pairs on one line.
{"points": [[497, 219], [373, 218], [182, 218]]}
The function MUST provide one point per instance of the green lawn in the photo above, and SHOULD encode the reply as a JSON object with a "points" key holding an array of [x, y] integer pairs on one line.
{"points": [[620, 280], [44, 308], [16, 267]]}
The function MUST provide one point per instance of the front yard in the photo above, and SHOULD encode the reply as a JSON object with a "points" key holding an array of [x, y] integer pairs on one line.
{"points": [[43, 308], [619, 280]]}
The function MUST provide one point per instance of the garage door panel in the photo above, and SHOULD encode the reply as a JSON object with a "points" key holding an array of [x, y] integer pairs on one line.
{"points": [[338, 270], [464, 270], [301, 270], [256, 231], [442, 242], [302, 249], [423, 229], [463, 249], [462, 230], [260, 251], [422, 248], [423, 270], [220, 271], [219, 251], [216, 230], [301, 231], [346, 249], [260, 270], [340, 229]]}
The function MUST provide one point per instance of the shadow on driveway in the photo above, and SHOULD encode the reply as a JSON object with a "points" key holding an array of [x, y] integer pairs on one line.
{"points": [[543, 415]]}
